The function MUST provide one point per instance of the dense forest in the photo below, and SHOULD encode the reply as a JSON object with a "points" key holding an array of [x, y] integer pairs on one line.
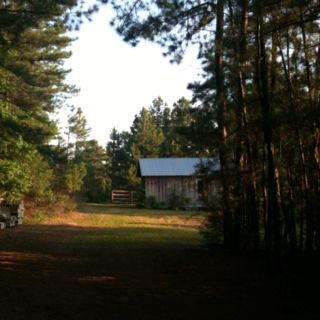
{"points": [[257, 109]]}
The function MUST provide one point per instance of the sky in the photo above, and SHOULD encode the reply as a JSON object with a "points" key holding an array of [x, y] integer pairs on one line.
{"points": [[117, 80]]}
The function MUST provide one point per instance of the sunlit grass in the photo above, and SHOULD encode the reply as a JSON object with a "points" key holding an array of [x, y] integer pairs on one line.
{"points": [[111, 216], [137, 238], [114, 227]]}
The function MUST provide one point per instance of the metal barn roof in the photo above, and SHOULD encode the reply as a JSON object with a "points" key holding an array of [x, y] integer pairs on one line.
{"points": [[157, 167]]}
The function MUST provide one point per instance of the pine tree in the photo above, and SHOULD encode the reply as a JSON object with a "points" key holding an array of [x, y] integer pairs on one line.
{"points": [[32, 50], [258, 105], [118, 152], [77, 133], [96, 183], [147, 136]]}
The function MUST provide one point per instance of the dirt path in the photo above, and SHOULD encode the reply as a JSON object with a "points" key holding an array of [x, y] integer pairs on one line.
{"points": [[48, 272]]}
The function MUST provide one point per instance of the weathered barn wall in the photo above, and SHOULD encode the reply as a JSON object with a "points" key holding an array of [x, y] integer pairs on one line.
{"points": [[162, 188], [176, 179]]}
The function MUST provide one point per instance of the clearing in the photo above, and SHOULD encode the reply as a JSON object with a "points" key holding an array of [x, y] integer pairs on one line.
{"points": [[109, 262]]}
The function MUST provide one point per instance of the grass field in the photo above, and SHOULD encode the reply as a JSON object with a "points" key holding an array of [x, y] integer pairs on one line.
{"points": [[112, 262], [129, 226], [104, 215]]}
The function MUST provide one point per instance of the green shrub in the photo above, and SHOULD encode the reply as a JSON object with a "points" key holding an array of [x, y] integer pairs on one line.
{"points": [[62, 203], [140, 197], [41, 181], [178, 200], [74, 177], [151, 202], [212, 229], [40, 215], [14, 179]]}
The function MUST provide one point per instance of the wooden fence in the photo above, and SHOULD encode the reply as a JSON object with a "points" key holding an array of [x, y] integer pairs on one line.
{"points": [[122, 196]]}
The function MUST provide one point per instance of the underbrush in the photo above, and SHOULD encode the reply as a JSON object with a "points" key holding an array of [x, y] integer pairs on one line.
{"points": [[41, 211]]}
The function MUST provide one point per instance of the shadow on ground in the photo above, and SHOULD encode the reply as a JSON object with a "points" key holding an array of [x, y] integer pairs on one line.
{"points": [[133, 210], [63, 272]]}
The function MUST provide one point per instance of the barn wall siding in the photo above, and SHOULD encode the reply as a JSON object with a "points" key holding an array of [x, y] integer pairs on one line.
{"points": [[162, 188]]}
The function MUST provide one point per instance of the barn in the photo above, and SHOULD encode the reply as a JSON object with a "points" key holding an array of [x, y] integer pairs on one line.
{"points": [[168, 180]]}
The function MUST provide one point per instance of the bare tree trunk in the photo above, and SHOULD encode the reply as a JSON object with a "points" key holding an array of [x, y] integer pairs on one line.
{"points": [[293, 113], [221, 109], [317, 158], [245, 188], [313, 213], [291, 220], [273, 209]]}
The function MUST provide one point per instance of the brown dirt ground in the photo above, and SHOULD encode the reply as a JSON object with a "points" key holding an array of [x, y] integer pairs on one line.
{"points": [[45, 274]]}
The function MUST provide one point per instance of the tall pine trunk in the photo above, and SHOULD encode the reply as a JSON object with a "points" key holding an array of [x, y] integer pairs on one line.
{"points": [[298, 138], [221, 109], [245, 185], [312, 215], [273, 207]]}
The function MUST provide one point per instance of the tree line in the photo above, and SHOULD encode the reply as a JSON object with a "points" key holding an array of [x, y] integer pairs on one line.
{"points": [[37, 161], [260, 87], [156, 131], [256, 108], [34, 44]]}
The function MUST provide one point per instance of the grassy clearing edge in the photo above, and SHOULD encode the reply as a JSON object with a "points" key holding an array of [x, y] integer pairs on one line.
{"points": [[110, 216]]}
